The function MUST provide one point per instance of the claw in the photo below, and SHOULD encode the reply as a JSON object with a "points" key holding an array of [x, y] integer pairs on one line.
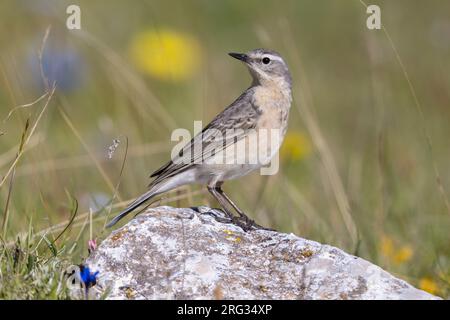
{"points": [[244, 222]]}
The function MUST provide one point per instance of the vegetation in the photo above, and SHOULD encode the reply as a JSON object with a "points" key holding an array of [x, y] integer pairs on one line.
{"points": [[364, 166]]}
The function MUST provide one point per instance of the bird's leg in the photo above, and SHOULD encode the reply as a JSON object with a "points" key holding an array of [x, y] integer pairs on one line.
{"points": [[241, 213], [223, 203], [213, 192], [249, 222]]}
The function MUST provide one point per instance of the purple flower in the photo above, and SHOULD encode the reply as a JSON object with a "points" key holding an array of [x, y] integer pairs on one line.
{"points": [[92, 245]]}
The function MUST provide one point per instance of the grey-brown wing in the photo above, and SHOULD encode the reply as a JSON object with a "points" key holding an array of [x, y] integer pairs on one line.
{"points": [[241, 114]]}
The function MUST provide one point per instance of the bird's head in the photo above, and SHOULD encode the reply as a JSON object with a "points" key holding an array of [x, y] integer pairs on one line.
{"points": [[266, 67]]}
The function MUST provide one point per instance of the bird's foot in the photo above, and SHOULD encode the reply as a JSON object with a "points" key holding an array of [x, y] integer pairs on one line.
{"points": [[218, 214], [244, 222], [247, 224], [252, 225]]}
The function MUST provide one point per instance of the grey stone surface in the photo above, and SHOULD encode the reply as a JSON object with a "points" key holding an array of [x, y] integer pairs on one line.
{"points": [[171, 253]]}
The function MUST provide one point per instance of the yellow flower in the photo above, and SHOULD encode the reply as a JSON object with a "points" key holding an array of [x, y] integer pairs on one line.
{"points": [[387, 246], [165, 54], [428, 284], [391, 253], [403, 255], [295, 146]]}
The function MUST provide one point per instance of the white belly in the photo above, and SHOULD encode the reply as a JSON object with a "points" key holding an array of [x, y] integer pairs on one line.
{"points": [[248, 154]]}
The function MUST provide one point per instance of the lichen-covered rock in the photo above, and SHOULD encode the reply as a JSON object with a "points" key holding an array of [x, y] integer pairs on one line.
{"points": [[170, 253]]}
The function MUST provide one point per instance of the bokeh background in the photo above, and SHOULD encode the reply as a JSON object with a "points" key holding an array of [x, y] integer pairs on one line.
{"points": [[365, 164]]}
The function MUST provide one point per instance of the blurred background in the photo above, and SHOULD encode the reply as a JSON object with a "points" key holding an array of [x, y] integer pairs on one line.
{"points": [[365, 164]]}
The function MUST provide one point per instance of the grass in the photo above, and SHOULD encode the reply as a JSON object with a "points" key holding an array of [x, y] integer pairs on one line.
{"points": [[27, 273], [372, 105]]}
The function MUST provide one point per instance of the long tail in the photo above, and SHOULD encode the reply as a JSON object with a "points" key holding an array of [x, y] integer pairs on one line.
{"points": [[136, 203], [165, 185]]}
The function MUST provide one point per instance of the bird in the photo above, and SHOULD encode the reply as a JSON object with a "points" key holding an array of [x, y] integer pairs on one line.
{"points": [[263, 106]]}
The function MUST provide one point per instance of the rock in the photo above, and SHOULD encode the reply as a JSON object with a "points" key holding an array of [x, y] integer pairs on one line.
{"points": [[170, 253]]}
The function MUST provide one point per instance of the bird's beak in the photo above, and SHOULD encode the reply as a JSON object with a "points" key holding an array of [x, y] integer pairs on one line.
{"points": [[239, 56]]}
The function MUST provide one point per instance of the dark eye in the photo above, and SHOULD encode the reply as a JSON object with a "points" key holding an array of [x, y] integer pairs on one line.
{"points": [[266, 60]]}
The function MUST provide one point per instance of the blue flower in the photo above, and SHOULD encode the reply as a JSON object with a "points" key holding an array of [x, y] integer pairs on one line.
{"points": [[87, 277], [61, 63]]}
